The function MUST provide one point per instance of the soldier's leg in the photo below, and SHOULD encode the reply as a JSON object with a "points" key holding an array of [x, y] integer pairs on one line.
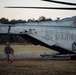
{"points": [[10, 58]]}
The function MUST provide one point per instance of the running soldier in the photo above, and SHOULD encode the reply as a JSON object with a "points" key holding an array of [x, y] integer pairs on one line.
{"points": [[9, 52]]}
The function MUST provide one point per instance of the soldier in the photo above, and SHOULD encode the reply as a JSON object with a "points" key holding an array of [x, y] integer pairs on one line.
{"points": [[9, 52]]}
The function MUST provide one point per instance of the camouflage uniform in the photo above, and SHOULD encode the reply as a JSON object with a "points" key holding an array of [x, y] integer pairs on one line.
{"points": [[9, 52]]}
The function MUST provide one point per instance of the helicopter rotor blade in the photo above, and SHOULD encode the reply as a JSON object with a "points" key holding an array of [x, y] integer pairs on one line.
{"points": [[59, 8], [61, 2]]}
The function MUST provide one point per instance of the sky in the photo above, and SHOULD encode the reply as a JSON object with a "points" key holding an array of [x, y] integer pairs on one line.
{"points": [[26, 14]]}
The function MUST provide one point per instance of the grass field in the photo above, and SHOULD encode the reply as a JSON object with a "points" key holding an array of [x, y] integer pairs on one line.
{"points": [[35, 66], [27, 48], [27, 51], [38, 67]]}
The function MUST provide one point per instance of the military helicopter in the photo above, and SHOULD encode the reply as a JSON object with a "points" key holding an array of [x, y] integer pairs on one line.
{"points": [[59, 35]]}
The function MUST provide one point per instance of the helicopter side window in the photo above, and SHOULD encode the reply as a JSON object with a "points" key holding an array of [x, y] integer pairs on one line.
{"points": [[74, 46]]}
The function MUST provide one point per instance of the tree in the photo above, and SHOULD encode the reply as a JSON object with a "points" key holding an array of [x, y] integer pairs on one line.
{"points": [[31, 20], [17, 21], [20, 21], [42, 18], [4, 20], [12, 21], [48, 19]]}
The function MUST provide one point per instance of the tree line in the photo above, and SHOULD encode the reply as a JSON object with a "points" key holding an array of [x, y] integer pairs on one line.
{"points": [[13, 21]]}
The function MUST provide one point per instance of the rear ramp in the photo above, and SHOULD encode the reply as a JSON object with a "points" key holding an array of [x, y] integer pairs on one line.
{"points": [[37, 40]]}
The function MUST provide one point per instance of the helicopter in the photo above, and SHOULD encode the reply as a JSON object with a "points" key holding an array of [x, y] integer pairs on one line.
{"points": [[59, 35]]}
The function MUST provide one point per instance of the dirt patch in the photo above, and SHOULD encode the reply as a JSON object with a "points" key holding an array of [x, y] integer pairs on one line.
{"points": [[38, 67]]}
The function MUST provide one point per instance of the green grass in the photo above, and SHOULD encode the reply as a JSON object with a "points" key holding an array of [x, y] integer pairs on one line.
{"points": [[27, 51], [28, 48]]}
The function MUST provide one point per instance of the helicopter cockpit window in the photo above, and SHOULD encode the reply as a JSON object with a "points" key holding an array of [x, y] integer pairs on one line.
{"points": [[74, 46]]}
